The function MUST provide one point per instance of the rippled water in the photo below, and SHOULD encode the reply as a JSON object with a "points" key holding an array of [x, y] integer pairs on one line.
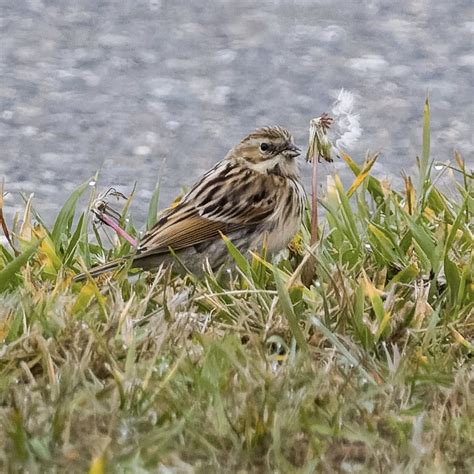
{"points": [[148, 89]]}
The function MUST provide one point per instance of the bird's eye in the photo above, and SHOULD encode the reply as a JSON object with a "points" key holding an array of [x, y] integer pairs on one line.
{"points": [[264, 146]]}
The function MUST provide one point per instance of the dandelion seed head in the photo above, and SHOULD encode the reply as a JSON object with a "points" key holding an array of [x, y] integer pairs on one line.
{"points": [[347, 128], [344, 103]]}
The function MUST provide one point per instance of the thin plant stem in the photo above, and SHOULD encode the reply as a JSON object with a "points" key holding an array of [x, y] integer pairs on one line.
{"points": [[111, 223], [314, 203]]}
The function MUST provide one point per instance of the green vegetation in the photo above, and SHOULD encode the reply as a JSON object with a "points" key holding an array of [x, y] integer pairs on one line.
{"points": [[370, 368]]}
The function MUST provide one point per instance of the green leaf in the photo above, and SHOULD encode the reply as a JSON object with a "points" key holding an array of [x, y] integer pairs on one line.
{"points": [[453, 278], [456, 225], [361, 330], [407, 275], [377, 304], [10, 270], [7, 256], [66, 215], [345, 211], [425, 156], [287, 307], [373, 186], [424, 240], [69, 254], [341, 348], [466, 275], [437, 201], [16, 327], [381, 242], [424, 261], [240, 260], [153, 208], [126, 207], [361, 177]]}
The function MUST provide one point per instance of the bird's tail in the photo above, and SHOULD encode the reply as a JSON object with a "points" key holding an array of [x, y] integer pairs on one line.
{"points": [[93, 272]]}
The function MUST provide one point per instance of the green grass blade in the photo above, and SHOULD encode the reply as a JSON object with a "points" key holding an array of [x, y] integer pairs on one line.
{"points": [[70, 252], [347, 214], [287, 307], [456, 225], [340, 347], [153, 208], [453, 278], [362, 176], [10, 270], [424, 240], [239, 259], [425, 156], [66, 215], [373, 186], [405, 276], [382, 243], [7, 256]]}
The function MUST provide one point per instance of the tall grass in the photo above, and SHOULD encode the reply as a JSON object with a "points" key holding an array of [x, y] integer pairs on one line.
{"points": [[369, 367]]}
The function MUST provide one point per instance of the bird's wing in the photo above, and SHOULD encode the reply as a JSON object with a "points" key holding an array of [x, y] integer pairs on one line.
{"points": [[225, 200]]}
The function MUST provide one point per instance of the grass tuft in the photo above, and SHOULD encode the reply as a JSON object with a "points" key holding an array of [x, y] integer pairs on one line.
{"points": [[368, 368]]}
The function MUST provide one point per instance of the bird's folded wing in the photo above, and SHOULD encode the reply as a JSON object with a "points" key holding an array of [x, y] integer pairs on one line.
{"points": [[194, 222], [180, 234]]}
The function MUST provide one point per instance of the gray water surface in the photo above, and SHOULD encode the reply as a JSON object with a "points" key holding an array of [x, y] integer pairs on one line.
{"points": [[162, 89]]}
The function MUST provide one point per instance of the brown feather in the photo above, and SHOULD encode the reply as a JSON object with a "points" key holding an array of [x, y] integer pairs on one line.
{"points": [[191, 231]]}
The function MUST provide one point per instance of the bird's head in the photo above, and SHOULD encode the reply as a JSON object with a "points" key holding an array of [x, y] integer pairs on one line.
{"points": [[268, 150]]}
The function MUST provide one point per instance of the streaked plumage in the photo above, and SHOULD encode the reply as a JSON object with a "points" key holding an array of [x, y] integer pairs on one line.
{"points": [[252, 194]]}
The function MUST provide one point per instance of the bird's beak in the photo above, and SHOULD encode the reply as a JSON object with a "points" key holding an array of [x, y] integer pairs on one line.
{"points": [[292, 151]]}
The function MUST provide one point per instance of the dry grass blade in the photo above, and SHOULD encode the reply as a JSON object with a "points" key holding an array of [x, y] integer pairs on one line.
{"points": [[3, 223]]}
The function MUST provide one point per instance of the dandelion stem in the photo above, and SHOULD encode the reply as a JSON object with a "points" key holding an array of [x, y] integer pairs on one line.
{"points": [[314, 202]]}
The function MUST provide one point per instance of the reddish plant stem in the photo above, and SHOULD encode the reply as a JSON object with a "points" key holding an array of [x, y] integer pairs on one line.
{"points": [[309, 269], [314, 203], [111, 223]]}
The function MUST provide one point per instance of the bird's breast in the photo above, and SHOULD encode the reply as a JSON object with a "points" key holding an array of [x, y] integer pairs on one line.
{"points": [[286, 221]]}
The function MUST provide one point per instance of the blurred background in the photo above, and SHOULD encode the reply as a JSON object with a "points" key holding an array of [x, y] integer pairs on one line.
{"points": [[147, 90]]}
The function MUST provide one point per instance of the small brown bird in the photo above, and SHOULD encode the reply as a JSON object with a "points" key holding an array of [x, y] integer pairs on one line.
{"points": [[253, 194]]}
